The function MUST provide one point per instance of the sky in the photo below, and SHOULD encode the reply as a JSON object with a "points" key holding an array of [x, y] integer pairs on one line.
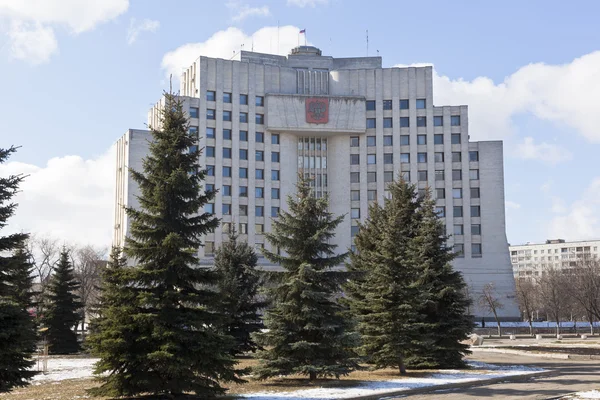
{"points": [[76, 74]]}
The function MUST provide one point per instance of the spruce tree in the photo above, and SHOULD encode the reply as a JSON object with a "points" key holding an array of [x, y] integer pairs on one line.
{"points": [[444, 317], [175, 304], [307, 330], [17, 328], [235, 263], [63, 305]]}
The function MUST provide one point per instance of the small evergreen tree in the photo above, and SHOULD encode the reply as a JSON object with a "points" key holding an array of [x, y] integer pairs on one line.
{"points": [[17, 329], [235, 263], [307, 331], [63, 305]]}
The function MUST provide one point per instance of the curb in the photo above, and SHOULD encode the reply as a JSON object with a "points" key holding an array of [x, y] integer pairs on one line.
{"points": [[459, 385], [559, 356]]}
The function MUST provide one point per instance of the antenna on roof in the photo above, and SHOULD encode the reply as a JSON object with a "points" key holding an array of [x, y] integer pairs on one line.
{"points": [[367, 43]]}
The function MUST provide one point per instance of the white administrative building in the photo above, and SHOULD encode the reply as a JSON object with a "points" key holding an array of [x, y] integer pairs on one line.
{"points": [[351, 125]]}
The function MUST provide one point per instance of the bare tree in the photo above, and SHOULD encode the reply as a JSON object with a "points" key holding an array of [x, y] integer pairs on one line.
{"points": [[583, 287], [553, 294], [88, 263], [489, 301], [43, 252], [527, 298]]}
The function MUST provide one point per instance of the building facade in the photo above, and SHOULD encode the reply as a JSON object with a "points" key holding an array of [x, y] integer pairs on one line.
{"points": [[351, 125], [532, 260]]}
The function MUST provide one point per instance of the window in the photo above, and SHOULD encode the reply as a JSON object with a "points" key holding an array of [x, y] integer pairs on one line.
{"points": [[274, 212], [353, 230], [458, 230], [354, 195], [457, 175], [226, 97], [354, 141], [226, 227], [388, 176], [387, 123], [244, 117], [404, 140], [259, 137], [194, 112], [476, 249], [370, 123], [440, 175], [475, 193], [243, 136], [227, 172], [457, 212], [259, 101], [404, 122], [243, 99], [226, 209], [209, 248], [244, 228], [455, 120], [193, 149], [371, 195], [259, 119], [244, 173], [388, 158], [405, 175], [210, 170], [371, 159], [475, 211], [259, 174], [371, 141], [422, 157], [440, 193], [259, 155], [438, 139], [455, 138], [438, 157], [440, 211], [421, 139], [459, 249], [210, 151], [226, 152], [209, 187], [226, 190], [438, 121], [210, 133], [475, 229], [259, 211], [422, 176], [259, 228], [209, 208], [354, 159], [274, 138], [421, 121], [211, 95], [473, 174], [404, 104], [457, 193], [387, 104], [371, 177], [354, 177], [274, 174], [243, 154], [243, 191], [456, 156], [243, 210], [370, 105], [274, 193], [355, 213], [388, 140], [210, 113], [420, 103], [275, 156], [259, 192]]}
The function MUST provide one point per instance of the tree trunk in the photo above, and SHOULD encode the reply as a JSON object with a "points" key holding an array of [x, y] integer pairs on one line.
{"points": [[498, 323], [402, 368], [531, 327], [312, 375], [557, 326]]}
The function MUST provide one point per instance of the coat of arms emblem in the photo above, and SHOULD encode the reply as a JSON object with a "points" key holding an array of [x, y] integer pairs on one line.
{"points": [[317, 110]]}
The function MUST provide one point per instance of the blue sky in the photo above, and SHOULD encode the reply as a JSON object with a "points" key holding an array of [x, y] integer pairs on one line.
{"points": [[75, 75]]}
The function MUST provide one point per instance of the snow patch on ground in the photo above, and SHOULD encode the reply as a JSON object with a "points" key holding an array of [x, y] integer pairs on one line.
{"points": [[592, 394], [60, 369]]}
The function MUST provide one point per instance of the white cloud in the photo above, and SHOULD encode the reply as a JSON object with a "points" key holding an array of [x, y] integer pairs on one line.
{"points": [[31, 23], [558, 205], [69, 198], [580, 219], [545, 152], [566, 94], [224, 43], [306, 3], [243, 11], [136, 27]]}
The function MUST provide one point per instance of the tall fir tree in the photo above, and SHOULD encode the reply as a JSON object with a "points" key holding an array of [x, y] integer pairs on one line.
{"points": [[176, 305], [307, 330], [239, 282], [444, 316], [17, 328], [63, 308]]}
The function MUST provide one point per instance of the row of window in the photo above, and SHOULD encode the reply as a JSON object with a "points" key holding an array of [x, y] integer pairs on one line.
{"points": [[259, 211], [259, 137], [562, 250], [259, 155], [259, 192], [405, 122], [457, 212], [440, 193], [211, 95], [403, 104], [388, 158], [227, 116], [388, 140], [422, 176], [259, 173], [476, 250]]}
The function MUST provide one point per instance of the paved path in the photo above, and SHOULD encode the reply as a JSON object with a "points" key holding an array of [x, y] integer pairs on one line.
{"points": [[574, 376]]}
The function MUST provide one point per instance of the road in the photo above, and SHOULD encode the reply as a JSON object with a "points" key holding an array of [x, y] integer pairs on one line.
{"points": [[575, 375]]}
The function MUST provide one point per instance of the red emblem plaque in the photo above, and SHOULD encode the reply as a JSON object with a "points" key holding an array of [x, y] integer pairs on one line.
{"points": [[317, 110]]}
